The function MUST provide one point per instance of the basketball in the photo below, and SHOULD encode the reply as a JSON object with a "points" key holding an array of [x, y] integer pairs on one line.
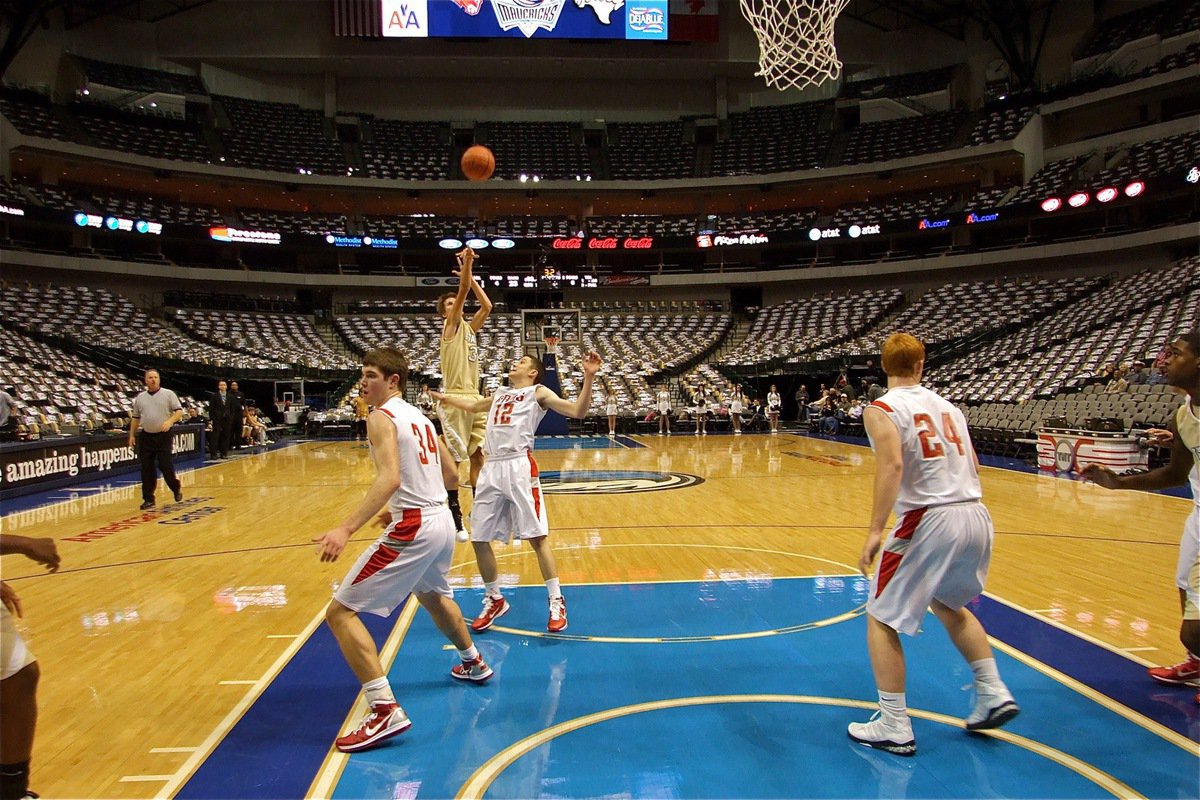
{"points": [[478, 163]]}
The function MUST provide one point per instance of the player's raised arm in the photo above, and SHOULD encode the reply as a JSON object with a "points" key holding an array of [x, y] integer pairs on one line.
{"points": [[485, 305], [464, 403], [578, 408]]}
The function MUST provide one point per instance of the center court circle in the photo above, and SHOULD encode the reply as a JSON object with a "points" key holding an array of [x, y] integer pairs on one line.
{"points": [[642, 744], [838, 583]]}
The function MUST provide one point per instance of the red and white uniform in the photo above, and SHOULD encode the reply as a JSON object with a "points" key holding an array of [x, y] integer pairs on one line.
{"points": [[942, 542], [414, 553], [508, 499]]}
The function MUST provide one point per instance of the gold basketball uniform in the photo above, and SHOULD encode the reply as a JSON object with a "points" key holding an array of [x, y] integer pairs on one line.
{"points": [[459, 356]]}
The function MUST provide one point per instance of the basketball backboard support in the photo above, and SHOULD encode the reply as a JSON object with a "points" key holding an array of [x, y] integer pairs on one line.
{"points": [[537, 324]]}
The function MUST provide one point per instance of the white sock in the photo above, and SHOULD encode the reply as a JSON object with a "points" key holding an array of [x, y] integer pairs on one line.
{"points": [[492, 588], [894, 706], [552, 588], [378, 691], [470, 654], [987, 677]]}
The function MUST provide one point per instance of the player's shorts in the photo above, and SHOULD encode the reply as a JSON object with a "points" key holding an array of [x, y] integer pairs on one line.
{"points": [[14, 653], [1187, 575], [939, 553], [664, 408], [412, 555], [462, 430], [508, 500]]}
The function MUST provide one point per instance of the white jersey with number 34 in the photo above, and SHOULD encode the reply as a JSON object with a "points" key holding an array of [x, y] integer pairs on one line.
{"points": [[512, 422], [939, 462], [421, 483]]}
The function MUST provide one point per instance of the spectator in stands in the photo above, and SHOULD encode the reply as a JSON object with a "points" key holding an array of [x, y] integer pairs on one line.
{"points": [[154, 412], [1158, 377], [425, 401], [874, 391], [19, 673], [8, 415], [361, 410], [829, 408], [1117, 383], [218, 415], [1137, 375], [256, 428], [237, 412], [736, 405], [663, 406], [802, 403]]}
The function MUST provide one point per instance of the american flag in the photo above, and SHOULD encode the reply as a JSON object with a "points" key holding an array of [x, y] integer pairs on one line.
{"points": [[357, 18]]}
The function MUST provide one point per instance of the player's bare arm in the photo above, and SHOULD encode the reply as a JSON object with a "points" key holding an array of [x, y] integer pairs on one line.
{"points": [[577, 408], [386, 455], [10, 599], [42, 550], [466, 260], [454, 401], [1174, 473], [485, 305], [889, 469]]}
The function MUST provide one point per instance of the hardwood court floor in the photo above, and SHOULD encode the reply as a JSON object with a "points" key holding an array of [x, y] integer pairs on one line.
{"points": [[162, 627]]}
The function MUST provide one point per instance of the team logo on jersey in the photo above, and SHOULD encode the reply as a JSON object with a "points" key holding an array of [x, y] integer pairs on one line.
{"points": [[615, 481], [527, 15]]}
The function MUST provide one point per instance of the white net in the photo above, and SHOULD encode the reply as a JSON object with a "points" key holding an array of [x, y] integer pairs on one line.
{"points": [[795, 40]]}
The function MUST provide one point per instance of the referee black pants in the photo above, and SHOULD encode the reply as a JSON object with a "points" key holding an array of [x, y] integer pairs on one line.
{"points": [[155, 449]]}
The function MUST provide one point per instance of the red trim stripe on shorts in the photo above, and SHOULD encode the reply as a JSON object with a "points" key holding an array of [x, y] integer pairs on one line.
{"points": [[537, 494], [406, 529], [383, 556], [889, 562]]}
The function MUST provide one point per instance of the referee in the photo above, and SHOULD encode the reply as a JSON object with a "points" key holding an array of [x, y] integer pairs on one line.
{"points": [[155, 411]]}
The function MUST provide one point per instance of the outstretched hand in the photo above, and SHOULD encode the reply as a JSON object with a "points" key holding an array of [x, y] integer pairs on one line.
{"points": [[43, 551], [331, 543], [1100, 475], [591, 363], [466, 260]]}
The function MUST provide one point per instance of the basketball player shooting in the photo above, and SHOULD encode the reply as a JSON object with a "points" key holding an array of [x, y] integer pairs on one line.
{"points": [[508, 497], [462, 432]]}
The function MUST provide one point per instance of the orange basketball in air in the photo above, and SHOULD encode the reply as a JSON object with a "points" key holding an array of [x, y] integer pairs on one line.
{"points": [[478, 163]]}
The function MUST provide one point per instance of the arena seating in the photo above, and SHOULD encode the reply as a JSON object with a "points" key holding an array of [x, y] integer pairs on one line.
{"points": [[282, 137], [1049, 179], [768, 222], [912, 84], [899, 138], [101, 318], [156, 138], [32, 115], [535, 227], [546, 149], [650, 151], [1129, 319], [896, 209], [286, 338], [410, 151], [61, 393], [284, 222], [1116, 31], [158, 210], [641, 225], [139, 79], [939, 315], [1001, 124], [423, 227], [804, 324], [774, 139], [1147, 160]]}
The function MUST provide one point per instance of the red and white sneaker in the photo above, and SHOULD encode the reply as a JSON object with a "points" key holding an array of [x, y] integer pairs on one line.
{"points": [[476, 670], [558, 615], [385, 721], [493, 609], [1185, 673]]}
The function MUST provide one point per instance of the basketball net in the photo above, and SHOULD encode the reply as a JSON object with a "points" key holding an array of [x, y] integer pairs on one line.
{"points": [[552, 345], [795, 40]]}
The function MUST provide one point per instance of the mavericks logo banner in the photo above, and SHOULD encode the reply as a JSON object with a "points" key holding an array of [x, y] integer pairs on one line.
{"points": [[615, 481]]}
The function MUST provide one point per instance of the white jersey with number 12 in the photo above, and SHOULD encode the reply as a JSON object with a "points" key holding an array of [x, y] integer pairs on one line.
{"points": [[512, 422]]}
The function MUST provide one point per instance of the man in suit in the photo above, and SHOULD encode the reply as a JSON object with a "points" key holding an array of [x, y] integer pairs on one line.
{"points": [[218, 414], [237, 415]]}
